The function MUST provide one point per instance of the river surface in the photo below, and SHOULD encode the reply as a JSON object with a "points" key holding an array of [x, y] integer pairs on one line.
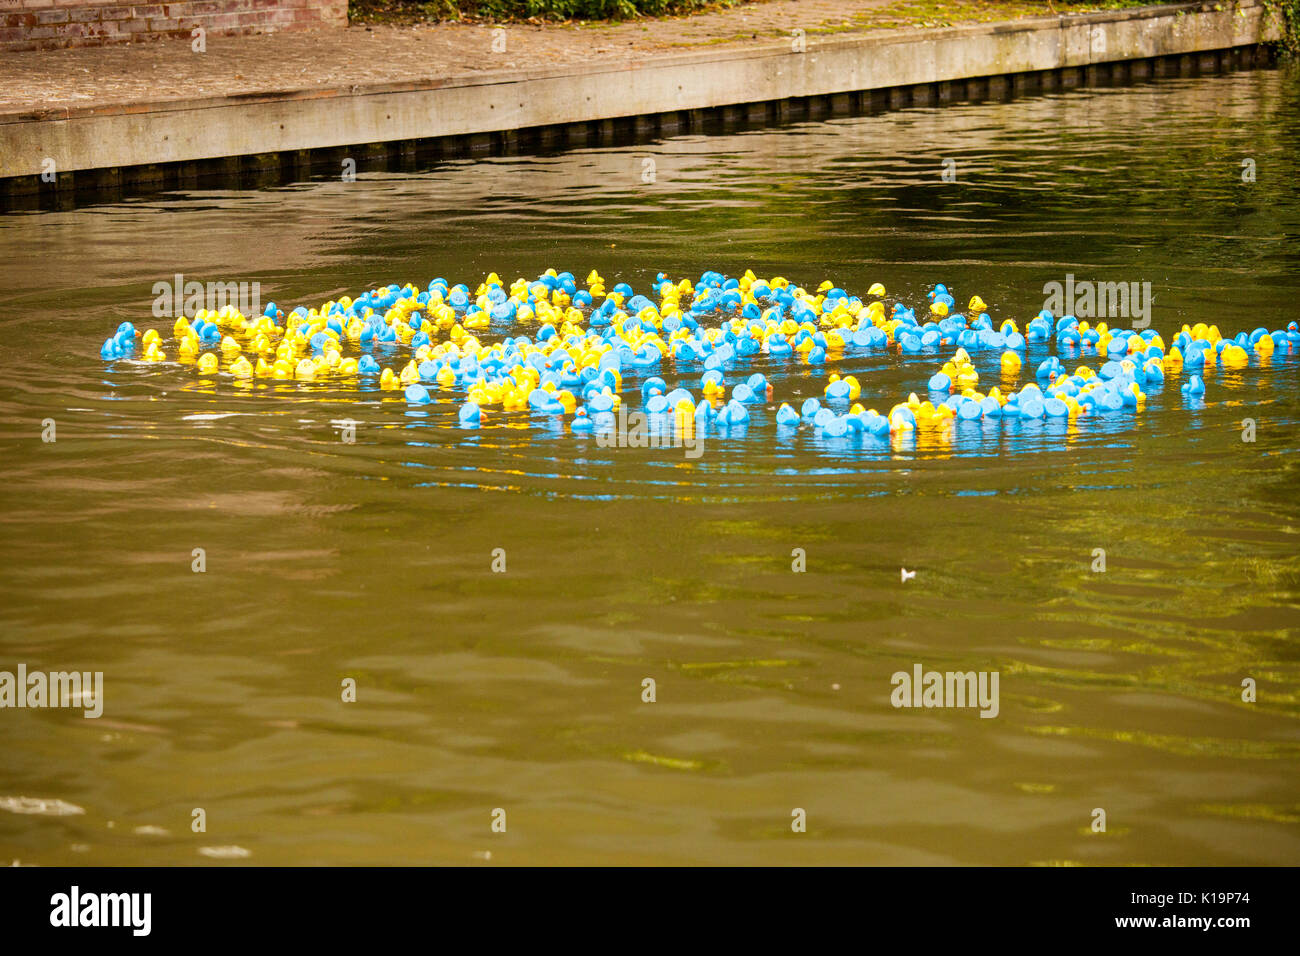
{"points": [[522, 691]]}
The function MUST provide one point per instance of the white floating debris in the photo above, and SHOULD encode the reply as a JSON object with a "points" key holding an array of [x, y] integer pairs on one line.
{"points": [[35, 805], [224, 852]]}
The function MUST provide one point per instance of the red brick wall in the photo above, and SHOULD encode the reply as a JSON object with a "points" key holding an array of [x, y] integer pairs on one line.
{"points": [[49, 24]]}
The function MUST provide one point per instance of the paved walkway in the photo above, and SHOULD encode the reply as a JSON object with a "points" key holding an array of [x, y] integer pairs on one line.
{"points": [[167, 69]]}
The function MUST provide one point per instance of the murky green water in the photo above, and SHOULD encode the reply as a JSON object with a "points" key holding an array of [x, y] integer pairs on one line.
{"points": [[522, 691]]}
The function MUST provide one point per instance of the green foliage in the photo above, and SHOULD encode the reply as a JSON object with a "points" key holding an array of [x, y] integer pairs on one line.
{"points": [[1288, 12], [533, 9]]}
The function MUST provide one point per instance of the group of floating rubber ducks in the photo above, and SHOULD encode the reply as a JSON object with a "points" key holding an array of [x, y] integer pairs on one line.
{"points": [[585, 338]]}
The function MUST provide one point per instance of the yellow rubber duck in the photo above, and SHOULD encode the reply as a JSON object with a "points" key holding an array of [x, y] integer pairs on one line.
{"points": [[1234, 356]]}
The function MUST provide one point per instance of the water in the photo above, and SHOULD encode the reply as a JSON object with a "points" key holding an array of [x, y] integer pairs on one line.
{"points": [[522, 691]]}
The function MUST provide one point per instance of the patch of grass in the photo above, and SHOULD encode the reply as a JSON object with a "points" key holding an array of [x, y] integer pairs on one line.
{"points": [[915, 14], [927, 14]]}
